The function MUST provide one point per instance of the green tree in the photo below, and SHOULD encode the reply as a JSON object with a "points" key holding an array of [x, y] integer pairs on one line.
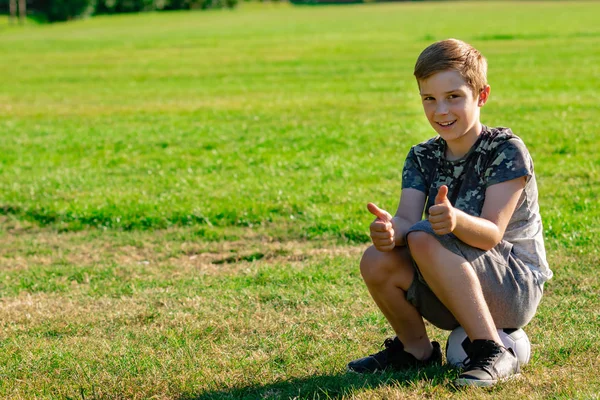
{"points": [[64, 10]]}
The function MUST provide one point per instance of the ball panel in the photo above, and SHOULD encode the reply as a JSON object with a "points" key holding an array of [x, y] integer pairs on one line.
{"points": [[455, 352], [458, 342]]}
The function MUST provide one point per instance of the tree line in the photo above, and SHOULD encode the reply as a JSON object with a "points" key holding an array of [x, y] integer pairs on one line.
{"points": [[64, 10]]}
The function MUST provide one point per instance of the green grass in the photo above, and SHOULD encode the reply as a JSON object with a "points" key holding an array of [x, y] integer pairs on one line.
{"points": [[182, 195], [247, 118]]}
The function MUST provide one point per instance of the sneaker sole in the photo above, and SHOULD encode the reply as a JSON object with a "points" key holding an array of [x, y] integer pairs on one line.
{"points": [[377, 371], [480, 383]]}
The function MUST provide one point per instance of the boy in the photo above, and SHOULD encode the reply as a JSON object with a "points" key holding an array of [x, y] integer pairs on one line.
{"points": [[477, 260]]}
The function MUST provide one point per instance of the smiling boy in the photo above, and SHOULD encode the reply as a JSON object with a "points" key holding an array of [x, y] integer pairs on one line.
{"points": [[477, 259]]}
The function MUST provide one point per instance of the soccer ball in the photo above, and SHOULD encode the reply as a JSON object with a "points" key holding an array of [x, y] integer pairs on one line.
{"points": [[458, 342]]}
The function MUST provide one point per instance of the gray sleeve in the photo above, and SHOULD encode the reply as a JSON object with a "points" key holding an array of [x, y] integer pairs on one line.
{"points": [[511, 160], [413, 175]]}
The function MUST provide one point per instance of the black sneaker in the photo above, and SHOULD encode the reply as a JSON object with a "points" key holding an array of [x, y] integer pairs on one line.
{"points": [[488, 363], [394, 357]]}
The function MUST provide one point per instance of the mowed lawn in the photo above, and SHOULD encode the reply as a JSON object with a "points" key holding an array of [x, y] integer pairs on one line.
{"points": [[182, 195]]}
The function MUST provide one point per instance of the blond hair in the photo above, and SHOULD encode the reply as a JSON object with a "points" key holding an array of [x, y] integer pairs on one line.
{"points": [[453, 54]]}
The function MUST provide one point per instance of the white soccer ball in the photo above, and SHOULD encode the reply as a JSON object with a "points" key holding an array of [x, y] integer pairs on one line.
{"points": [[458, 342]]}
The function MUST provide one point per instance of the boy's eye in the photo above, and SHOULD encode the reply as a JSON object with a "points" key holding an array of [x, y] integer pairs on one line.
{"points": [[453, 96], [428, 98]]}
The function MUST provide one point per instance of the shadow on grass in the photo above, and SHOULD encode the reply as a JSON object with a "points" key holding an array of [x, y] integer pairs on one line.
{"points": [[328, 386]]}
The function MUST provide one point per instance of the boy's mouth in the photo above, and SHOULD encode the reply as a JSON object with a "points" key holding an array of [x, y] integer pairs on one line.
{"points": [[446, 124]]}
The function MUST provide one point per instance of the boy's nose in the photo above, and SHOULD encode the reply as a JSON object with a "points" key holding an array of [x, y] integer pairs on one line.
{"points": [[441, 108]]}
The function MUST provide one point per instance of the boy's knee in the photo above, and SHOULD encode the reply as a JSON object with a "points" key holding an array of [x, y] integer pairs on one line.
{"points": [[423, 247], [420, 243], [375, 266], [381, 267]]}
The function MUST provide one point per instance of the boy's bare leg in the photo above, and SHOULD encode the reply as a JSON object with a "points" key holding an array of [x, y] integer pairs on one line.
{"points": [[388, 276], [454, 282]]}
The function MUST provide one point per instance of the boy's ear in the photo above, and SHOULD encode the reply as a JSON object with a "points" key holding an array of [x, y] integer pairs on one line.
{"points": [[484, 95]]}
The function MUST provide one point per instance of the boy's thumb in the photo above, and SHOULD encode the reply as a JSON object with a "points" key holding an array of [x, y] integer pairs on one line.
{"points": [[441, 195], [379, 213]]}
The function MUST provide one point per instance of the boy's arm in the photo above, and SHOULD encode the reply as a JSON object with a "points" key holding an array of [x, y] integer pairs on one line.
{"points": [[410, 211], [483, 232]]}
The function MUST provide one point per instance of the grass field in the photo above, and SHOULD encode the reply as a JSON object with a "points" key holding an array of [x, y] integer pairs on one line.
{"points": [[182, 195]]}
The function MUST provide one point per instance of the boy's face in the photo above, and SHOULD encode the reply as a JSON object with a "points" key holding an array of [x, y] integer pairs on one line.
{"points": [[450, 106]]}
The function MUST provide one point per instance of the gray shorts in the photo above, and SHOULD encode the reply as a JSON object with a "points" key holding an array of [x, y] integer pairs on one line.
{"points": [[511, 289]]}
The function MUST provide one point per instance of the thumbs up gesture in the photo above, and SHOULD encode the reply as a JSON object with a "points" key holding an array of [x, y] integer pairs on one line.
{"points": [[442, 215], [382, 229]]}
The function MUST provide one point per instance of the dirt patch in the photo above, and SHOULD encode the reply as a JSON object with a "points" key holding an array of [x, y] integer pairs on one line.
{"points": [[25, 246]]}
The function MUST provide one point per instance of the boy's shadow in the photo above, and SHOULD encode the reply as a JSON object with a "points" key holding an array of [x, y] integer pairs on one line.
{"points": [[333, 386]]}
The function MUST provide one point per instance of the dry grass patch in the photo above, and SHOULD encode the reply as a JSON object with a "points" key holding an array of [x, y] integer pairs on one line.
{"points": [[26, 244], [162, 315]]}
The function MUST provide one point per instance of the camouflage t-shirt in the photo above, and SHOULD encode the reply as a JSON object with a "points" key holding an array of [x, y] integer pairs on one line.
{"points": [[497, 156]]}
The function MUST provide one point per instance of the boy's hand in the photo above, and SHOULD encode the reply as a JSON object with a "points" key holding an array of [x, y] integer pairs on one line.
{"points": [[382, 229], [442, 215]]}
